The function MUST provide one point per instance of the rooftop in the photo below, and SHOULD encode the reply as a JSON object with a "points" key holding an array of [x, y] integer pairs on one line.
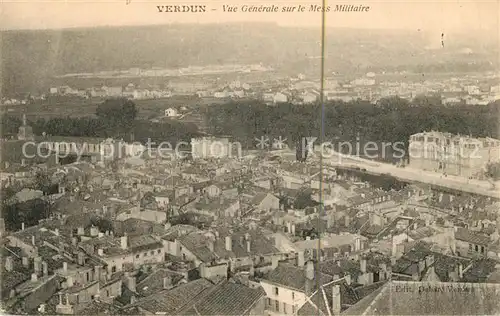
{"points": [[430, 298]]}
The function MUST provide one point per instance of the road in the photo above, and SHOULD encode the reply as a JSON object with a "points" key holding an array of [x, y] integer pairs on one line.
{"points": [[408, 174]]}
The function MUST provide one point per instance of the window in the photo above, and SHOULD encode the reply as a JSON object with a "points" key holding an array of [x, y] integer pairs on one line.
{"points": [[159, 250], [113, 269], [152, 253], [268, 302], [470, 246], [137, 256], [276, 291], [293, 295], [476, 248], [145, 254], [482, 249], [294, 309], [277, 306]]}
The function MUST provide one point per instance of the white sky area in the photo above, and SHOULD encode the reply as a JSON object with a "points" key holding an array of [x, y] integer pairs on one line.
{"points": [[441, 16]]}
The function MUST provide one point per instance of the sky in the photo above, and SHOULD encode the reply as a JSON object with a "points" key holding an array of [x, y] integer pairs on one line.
{"points": [[436, 16]]}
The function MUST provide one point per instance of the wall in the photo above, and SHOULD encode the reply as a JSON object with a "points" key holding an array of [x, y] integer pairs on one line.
{"points": [[111, 291], [284, 295], [84, 296], [27, 248], [136, 258], [209, 272], [41, 294], [259, 307]]}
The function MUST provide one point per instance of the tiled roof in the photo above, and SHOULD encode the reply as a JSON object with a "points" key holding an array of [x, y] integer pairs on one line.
{"points": [[293, 277], [171, 302], [464, 234], [431, 298], [227, 298], [197, 243], [154, 281]]}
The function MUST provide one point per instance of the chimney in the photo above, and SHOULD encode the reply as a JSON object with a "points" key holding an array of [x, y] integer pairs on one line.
{"points": [[81, 231], [65, 266], [415, 276], [131, 283], [275, 262], [124, 242], [34, 277], [460, 270], [9, 263], [167, 283], [336, 306], [415, 226], [301, 259], [94, 232], [252, 271], [74, 241], [45, 268], [23, 162], [310, 270], [347, 221], [421, 265], [100, 235], [440, 198], [26, 261], [429, 260], [362, 265], [22, 226], [293, 230], [357, 244], [56, 231], [347, 279], [37, 265], [229, 243], [81, 258], [100, 252], [248, 246], [33, 240], [211, 245], [69, 281], [97, 273]]}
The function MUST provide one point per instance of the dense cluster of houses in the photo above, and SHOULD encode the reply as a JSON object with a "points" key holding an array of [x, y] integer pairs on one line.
{"points": [[242, 236]]}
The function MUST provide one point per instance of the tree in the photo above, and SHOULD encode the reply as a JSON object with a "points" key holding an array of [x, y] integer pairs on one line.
{"points": [[117, 112], [492, 173], [42, 182]]}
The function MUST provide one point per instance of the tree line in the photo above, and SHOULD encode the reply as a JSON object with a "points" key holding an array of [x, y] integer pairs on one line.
{"points": [[115, 118], [389, 120]]}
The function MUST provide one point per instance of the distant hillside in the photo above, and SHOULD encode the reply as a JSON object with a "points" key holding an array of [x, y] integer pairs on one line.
{"points": [[31, 58]]}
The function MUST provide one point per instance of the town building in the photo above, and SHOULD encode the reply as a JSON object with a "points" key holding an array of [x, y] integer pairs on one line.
{"points": [[449, 154]]}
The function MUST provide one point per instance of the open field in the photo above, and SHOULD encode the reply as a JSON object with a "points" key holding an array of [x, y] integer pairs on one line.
{"points": [[77, 107]]}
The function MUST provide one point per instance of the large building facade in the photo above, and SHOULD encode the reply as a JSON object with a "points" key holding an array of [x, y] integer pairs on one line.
{"points": [[452, 154]]}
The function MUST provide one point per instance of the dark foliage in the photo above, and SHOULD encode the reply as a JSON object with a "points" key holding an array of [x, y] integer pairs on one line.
{"points": [[493, 171], [29, 213], [119, 113], [392, 120]]}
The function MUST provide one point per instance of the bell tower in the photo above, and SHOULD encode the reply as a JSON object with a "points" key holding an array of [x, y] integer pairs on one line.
{"points": [[25, 131]]}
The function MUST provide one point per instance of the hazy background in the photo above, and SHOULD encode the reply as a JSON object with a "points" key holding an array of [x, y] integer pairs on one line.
{"points": [[391, 36], [441, 16]]}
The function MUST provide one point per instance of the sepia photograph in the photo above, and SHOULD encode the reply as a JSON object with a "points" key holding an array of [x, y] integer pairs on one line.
{"points": [[260, 157]]}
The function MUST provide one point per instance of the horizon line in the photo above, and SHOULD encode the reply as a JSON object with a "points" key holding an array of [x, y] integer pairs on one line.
{"points": [[274, 23]]}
